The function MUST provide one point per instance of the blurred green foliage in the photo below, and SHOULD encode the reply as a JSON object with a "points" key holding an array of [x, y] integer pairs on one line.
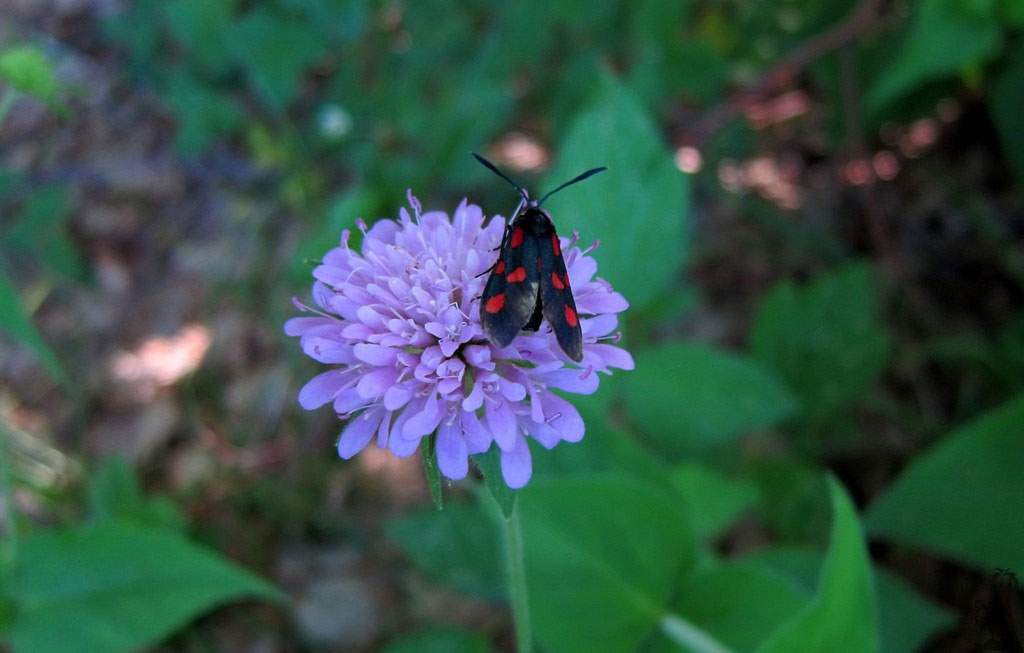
{"points": [[349, 102]]}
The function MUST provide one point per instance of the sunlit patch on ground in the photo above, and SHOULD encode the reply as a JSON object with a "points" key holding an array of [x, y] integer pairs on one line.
{"points": [[161, 361]]}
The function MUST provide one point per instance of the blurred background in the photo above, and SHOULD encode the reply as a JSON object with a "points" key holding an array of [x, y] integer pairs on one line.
{"points": [[815, 209]]}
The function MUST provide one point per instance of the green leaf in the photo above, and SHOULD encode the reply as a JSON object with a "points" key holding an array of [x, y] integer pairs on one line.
{"points": [[638, 209], [199, 26], [962, 497], [738, 603], [430, 470], [458, 546], [15, 322], [713, 500], [689, 396], [275, 51], [1006, 99], [944, 39], [203, 115], [41, 232], [118, 587], [602, 555], [115, 495], [605, 448], [842, 616], [28, 71], [905, 618], [440, 640], [824, 339], [489, 464]]}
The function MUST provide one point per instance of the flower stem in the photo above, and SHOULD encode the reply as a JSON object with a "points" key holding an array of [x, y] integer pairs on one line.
{"points": [[517, 580], [690, 637]]}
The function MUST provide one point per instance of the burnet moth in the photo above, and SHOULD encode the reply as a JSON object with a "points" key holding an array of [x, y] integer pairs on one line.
{"points": [[529, 282]]}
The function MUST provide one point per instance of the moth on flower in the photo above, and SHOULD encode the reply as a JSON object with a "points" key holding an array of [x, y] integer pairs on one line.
{"points": [[398, 321]]}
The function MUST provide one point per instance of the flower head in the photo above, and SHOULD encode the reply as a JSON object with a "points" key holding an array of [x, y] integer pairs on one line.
{"points": [[398, 321]]}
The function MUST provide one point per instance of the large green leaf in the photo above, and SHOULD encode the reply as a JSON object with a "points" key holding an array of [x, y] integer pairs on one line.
{"points": [[15, 322], [945, 38], [823, 339], [638, 208], [687, 396], [602, 555], [905, 618], [842, 615], [203, 114], [275, 51], [1006, 99], [115, 495], [117, 587], [714, 500], [738, 603], [962, 498], [458, 546], [199, 26], [440, 640]]}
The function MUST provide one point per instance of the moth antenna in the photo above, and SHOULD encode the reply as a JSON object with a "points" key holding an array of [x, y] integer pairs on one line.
{"points": [[574, 180], [493, 168]]}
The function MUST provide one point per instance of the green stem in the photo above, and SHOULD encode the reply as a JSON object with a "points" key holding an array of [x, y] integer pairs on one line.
{"points": [[690, 637], [517, 580], [9, 542]]}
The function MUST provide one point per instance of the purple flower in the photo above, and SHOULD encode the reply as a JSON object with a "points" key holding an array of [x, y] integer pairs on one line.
{"points": [[399, 323]]}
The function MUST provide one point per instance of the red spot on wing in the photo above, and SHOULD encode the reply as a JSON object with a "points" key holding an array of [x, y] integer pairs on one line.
{"points": [[555, 245], [499, 268], [570, 314], [517, 275], [556, 281], [517, 238], [495, 304]]}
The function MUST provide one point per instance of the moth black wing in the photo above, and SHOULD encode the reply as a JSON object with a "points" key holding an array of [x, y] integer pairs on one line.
{"points": [[510, 296], [559, 307]]}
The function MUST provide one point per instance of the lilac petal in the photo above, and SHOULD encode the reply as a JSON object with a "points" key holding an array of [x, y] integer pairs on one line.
{"points": [[399, 445], [452, 455], [348, 401], [425, 421], [516, 464], [297, 326], [475, 398], [541, 432], [327, 350], [358, 432], [512, 391], [600, 325], [581, 382], [478, 439], [375, 383], [448, 347], [322, 388], [478, 356], [563, 417], [332, 276], [435, 329], [397, 396], [501, 422], [601, 302], [582, 271], [611, 355], [375, 354], [384, 430]]}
